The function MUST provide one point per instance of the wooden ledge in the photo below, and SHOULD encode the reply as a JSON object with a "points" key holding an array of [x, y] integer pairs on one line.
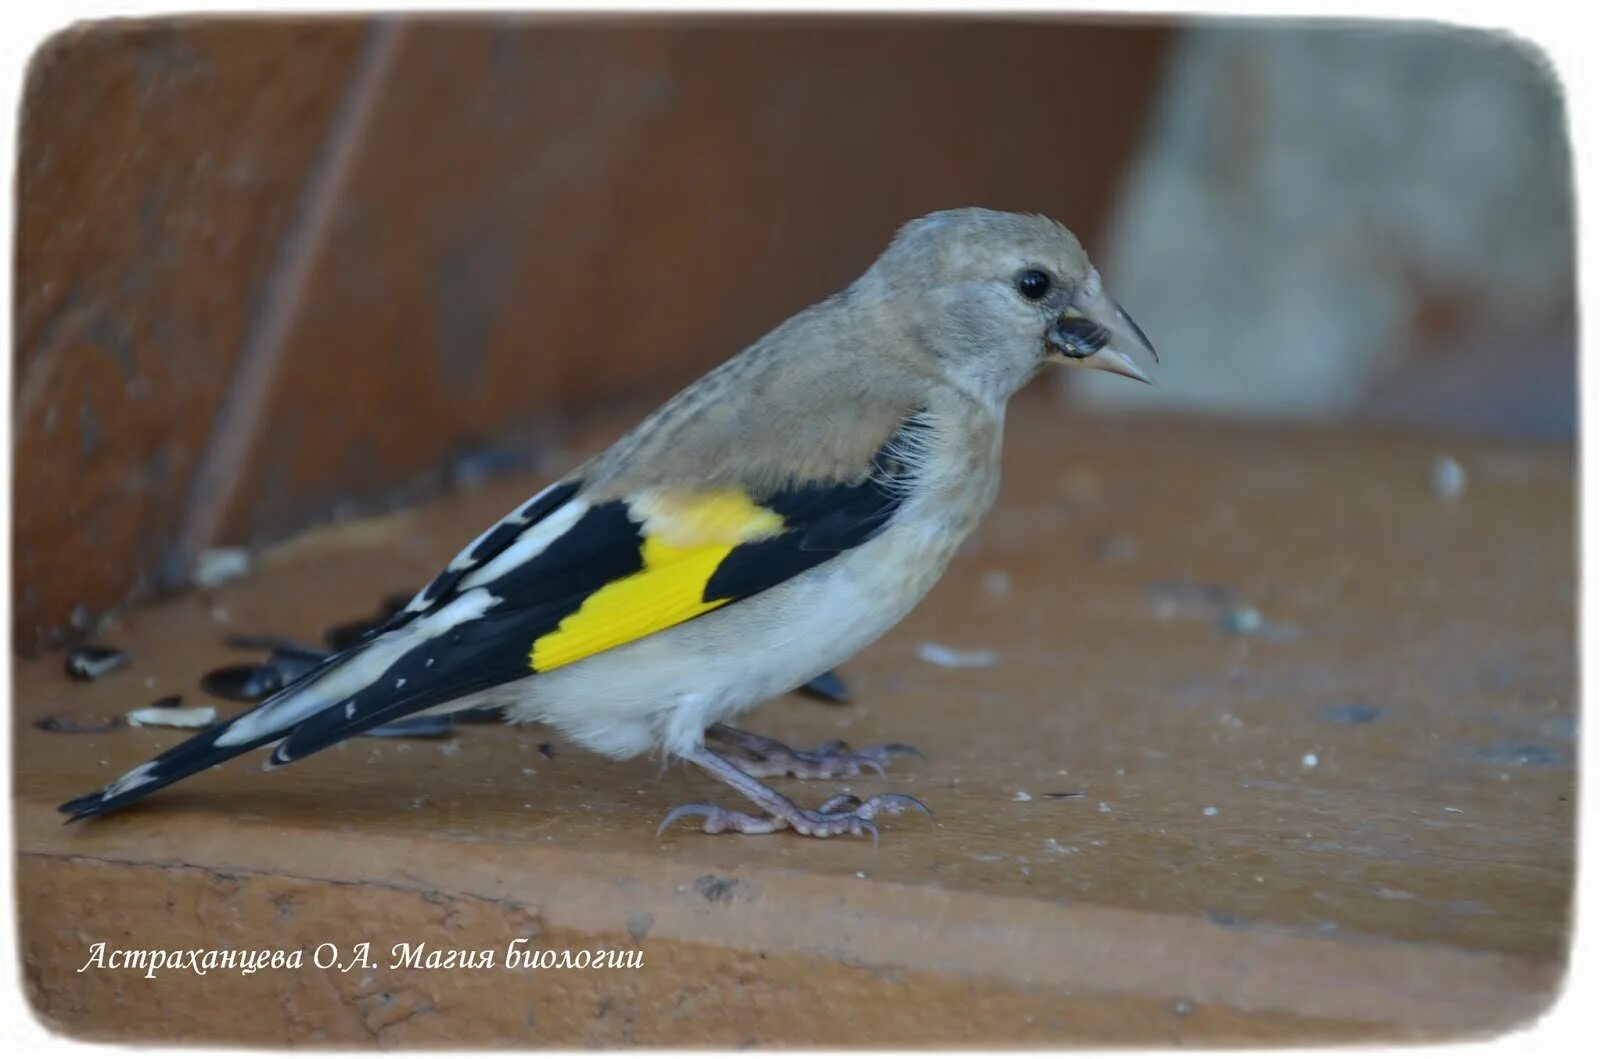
{"points": [[1277, 745]]}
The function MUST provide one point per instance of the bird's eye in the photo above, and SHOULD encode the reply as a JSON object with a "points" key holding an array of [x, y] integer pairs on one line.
{"points": [[1033, 284]]}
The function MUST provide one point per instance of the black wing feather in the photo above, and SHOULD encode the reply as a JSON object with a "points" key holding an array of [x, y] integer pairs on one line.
{"points": [[506, 533], [823, 521]]}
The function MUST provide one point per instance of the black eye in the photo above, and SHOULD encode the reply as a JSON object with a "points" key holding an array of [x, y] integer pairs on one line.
{"points": [[1033, 284]]}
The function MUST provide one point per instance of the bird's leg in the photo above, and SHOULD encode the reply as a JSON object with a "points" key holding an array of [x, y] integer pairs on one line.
{"points": [[839, 815], [768, 757]]}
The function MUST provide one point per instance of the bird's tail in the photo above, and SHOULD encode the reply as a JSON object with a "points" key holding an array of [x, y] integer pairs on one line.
{"points": [[271, 720], [397, 672]]}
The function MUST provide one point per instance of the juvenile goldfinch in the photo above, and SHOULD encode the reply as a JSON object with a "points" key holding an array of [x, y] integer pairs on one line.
{"points": [[761, 527]]}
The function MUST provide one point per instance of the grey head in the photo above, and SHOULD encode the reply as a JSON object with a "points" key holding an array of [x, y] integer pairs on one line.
{"points": [[993, 297]]}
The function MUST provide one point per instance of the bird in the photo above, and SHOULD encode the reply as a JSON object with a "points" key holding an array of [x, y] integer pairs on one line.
{"points": [[765, 524]]}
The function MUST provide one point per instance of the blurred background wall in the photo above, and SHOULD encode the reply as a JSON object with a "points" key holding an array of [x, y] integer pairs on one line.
{"points": [[1332, 219], [271, 272]]}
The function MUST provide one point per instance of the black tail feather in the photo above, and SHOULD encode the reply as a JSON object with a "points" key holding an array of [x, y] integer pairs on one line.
{"points": [[191, 756], [476, 651]]}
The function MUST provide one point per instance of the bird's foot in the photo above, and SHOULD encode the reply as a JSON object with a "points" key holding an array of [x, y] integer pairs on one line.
{"points": [[831, 760], [842, 814]]}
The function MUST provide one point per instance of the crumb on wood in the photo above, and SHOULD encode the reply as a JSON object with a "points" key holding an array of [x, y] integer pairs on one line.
{"points": [[92, 661], [218, 566], [952, 658], [1447, 477], [173, 717]]}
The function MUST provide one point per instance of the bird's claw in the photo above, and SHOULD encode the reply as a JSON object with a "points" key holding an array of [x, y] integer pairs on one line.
{"points": [[718, 820], [832, 760], [839, 815]]}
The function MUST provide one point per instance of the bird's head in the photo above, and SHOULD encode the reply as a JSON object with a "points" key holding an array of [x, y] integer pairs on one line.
{"points": [[993, 297]]}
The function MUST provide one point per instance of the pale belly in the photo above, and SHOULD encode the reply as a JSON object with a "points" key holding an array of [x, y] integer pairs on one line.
{"points": [[662, 692]]}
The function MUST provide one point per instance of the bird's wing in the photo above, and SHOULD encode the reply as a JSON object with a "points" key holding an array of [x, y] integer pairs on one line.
{"points": [[566, 577]]}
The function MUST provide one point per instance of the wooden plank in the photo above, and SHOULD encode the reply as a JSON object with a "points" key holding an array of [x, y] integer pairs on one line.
{"points": [[160, 167], [1352, 823]]}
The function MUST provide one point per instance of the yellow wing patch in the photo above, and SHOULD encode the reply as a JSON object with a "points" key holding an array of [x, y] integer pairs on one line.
{"points": [[686, 519], [686, 537]]}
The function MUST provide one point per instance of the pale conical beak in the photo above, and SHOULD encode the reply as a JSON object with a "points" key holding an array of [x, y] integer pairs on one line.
{"points": [[1099, 333]]}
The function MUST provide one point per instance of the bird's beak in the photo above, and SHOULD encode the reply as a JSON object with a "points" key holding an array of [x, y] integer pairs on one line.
{"points": [[1098, 333]]}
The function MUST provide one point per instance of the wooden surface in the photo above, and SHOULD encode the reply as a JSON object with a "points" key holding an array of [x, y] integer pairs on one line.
{"points": [[158, 175], [1352, 823]]}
